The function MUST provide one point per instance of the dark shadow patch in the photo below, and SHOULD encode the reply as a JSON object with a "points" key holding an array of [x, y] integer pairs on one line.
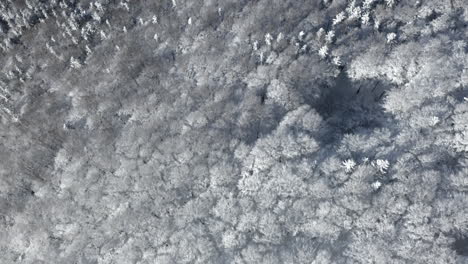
{"points": [[350, 106], [460, 245], [335, 97], [262, 93], [79, 124], [433, 16], [15, 40], [4, 27]]}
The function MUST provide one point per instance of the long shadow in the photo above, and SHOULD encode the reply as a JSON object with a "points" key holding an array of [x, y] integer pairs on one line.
{"points": [[352, 106]]}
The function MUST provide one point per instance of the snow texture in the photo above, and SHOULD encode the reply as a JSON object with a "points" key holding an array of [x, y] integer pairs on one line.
{"points": [[233, 131]]}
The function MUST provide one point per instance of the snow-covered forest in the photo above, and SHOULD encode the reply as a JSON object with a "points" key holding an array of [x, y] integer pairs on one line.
{"points": [[233, 131]]}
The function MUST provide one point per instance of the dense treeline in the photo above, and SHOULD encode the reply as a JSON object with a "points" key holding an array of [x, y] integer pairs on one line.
{"points": [[325, 131]]}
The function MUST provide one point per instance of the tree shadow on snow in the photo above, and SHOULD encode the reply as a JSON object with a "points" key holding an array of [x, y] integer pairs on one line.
{"points": [[350, 106]]}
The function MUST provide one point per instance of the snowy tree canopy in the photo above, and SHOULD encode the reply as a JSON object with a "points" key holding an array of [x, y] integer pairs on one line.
{"points": [[233, 131]]}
